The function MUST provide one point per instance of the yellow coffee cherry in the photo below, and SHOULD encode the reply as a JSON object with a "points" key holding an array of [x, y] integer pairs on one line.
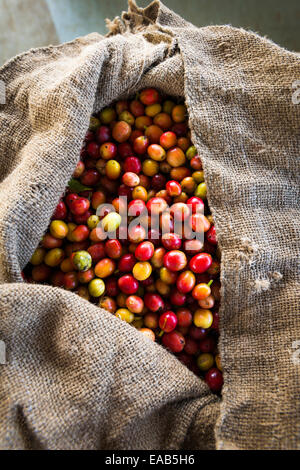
{"points": [[71, 227], [54, 257], [203, 318], [218, 362], [178, 113], [58, 229], [162, 287], [38, 256], [93, 221], [150, 167], [138, 322], [142, 270], [111, 222], [152, 110], [176, 157], [96, 287], [210, 219], [182, 198], [167, 276], [156, 152], [198, 176], [125, 315], [139, 192], [188, 185], [113, 169], [205, 361], [66, 266]]}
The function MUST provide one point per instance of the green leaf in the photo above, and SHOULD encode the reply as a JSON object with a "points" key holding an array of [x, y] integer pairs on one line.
{"points": [[77, 187]]}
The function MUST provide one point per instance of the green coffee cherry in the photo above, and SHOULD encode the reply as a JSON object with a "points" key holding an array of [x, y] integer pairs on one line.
{"points": [[201, 191], [94, 123], [93, 221], [191, 152], [205, 361], [127, 117], [168, 106], [107, 115], [82, 260]]}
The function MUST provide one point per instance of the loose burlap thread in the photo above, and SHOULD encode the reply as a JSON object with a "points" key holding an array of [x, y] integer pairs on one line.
{"points": [[78, 378]]}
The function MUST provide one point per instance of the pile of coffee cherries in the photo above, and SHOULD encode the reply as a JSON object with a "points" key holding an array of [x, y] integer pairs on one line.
{"points": [[123, 234]]}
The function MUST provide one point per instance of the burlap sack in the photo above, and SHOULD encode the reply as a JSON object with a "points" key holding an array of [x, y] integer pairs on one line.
{"points": [[78, 378]]}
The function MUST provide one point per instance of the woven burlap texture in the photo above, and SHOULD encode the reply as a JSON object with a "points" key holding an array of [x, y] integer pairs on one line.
{"points": [[78, 378]]}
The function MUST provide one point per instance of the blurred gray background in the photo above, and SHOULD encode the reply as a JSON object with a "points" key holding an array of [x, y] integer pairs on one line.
{"points": [[32, 23]]}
